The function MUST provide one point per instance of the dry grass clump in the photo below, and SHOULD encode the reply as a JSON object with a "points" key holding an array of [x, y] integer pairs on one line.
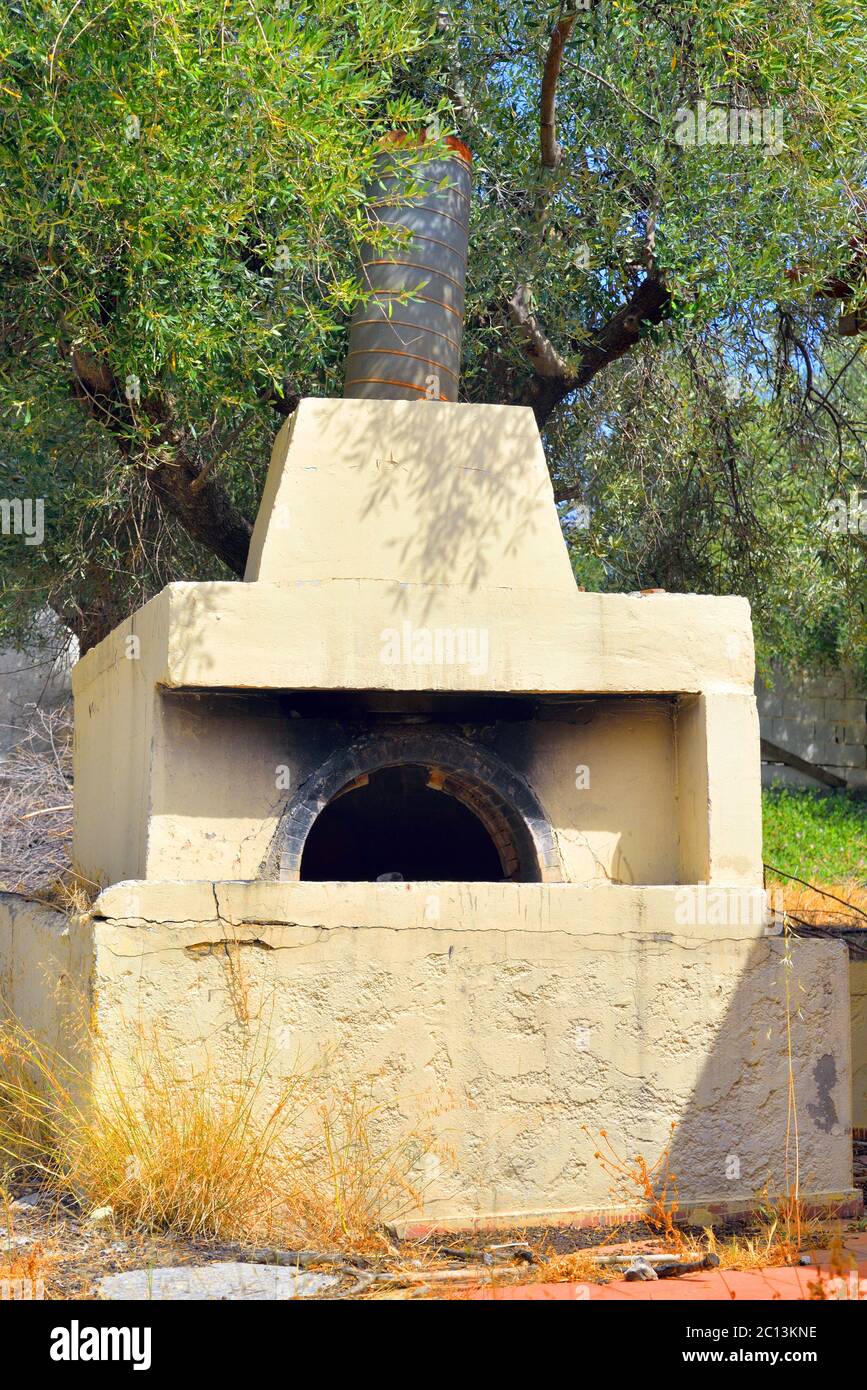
{"points": [[841, 904], [783, 1230], [229, 1159], [840, 1279], [29, 1269], [576, 1267]]}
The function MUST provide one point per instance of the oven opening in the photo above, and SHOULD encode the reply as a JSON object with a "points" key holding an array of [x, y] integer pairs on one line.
{"points": [[411, 823]]}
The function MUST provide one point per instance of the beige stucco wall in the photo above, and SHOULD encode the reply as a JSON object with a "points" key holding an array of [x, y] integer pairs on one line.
{"points": [[520, 1013], [46, 961], [622, 825], [176, 788], [394, 491], [117, 731], [734, 798], [328, 635], [215, 815], [623, 783]]}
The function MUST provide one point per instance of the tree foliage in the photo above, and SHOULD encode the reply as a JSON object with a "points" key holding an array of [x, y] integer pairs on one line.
{"points": [[669, 211], [182, 201]]}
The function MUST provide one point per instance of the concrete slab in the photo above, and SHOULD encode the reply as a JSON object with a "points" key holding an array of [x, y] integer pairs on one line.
{"points": [[228, 1280]]}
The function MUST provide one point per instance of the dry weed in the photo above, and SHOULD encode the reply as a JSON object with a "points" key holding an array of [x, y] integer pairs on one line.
{"points": [[650, 1187], [235, 1159]]}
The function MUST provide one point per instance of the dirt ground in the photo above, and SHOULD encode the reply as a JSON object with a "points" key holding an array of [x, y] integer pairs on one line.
{"points": [[55, 1242], [42, 1239]]}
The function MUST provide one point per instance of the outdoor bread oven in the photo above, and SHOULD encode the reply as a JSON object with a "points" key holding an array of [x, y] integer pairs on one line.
{"points": [[410, 682], [408, 799]]}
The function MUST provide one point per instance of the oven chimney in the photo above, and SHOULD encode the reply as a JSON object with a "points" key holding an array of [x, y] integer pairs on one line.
{"points": [[411, 349]]}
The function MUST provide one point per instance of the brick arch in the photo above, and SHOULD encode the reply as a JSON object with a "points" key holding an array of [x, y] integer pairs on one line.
{"points": [[479, 778]]}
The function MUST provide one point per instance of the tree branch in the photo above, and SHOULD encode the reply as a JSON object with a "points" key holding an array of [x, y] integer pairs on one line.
{"points": [[551, 149], [621, 96], [573, 493], [284, 400], [553, 378], [206, 514], [182, 483], [649, 305], [544, 357]]}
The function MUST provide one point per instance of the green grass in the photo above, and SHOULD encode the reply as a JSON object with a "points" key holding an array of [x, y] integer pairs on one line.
{"points": [[818, 836]]}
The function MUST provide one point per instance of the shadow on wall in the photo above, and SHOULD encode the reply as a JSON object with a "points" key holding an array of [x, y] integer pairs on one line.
{"points": [[420, 493], [523, 1039], [443, 542], [465, 504], [730, 1140], [606, 774], [694, 1035]]}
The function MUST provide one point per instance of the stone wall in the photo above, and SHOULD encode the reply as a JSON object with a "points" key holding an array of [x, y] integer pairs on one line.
{"points": [[822, 718], [27, 679]]}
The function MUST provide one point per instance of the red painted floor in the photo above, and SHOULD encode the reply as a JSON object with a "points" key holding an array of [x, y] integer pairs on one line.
{"points": [[786, 1285]]}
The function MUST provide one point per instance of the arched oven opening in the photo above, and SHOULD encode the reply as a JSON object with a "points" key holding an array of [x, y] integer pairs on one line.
{"points": [[419, 804], [408, 823]]}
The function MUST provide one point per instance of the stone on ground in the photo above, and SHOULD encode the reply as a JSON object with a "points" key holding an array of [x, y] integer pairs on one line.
{"points": [[228, 1280]]}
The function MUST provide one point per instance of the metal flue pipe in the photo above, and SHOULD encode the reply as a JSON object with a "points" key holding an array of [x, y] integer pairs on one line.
{"points": [[410, 348]]}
